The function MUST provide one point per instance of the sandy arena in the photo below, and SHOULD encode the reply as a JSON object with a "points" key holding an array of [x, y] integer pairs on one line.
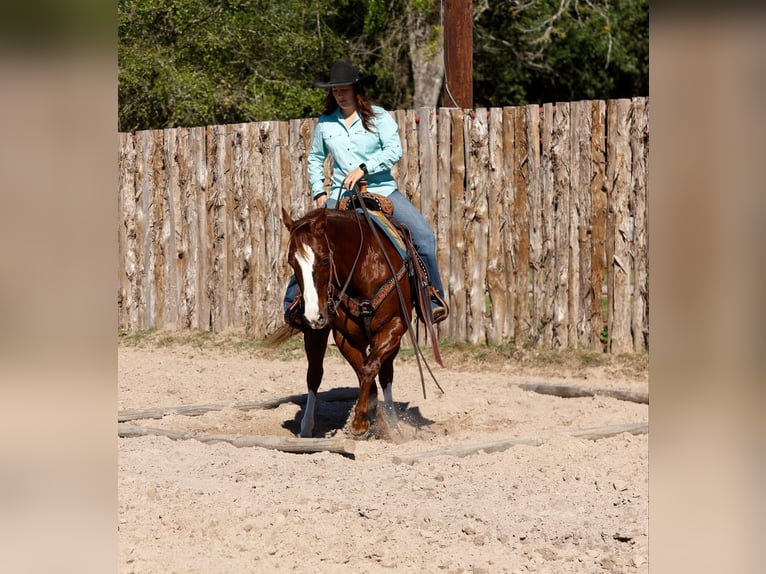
{"points": [[569, 505]]}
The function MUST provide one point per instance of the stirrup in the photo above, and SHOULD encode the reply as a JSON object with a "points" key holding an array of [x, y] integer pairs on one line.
{"points": [[294, 315], [438, 314], [439, 307]]}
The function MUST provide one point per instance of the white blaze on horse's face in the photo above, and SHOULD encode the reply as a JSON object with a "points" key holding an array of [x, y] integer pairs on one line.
{"points": [[304, 257]]}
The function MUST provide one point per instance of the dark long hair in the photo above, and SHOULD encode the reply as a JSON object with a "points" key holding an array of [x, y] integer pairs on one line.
{"points": [[363, 105]]}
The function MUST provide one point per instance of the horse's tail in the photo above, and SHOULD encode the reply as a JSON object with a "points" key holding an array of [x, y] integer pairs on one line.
{"points": [[281, 335]]}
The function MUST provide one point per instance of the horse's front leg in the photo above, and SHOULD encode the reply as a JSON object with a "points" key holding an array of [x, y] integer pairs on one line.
{"points": [[356, 357], [315, 345], [380, 361]]}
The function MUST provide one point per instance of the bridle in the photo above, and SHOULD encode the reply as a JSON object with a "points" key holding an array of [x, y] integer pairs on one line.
{"points": [[332, 299]]}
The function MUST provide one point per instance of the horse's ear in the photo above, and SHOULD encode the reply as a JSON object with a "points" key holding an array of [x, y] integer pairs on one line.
{"points": [[287, 220], [320, 222]]}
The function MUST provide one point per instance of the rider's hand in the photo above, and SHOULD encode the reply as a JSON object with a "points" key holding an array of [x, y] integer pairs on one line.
{"points": [[353, 177]]}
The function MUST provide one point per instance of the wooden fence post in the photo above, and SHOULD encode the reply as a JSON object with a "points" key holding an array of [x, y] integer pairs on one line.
{"points": [[598, 196], [219, 209], [477, 169], [258, 198], [427, 162], [562, 168], [444, 213], [533, 221], [520, 229], [547, 226], [496, 271], [126, 232], [639, 143], [144, 224], [240, 289], [156, 214], [185, 260], [577, 221], [171, 293], [508, 232], [458, 321], [618, 225], [275, 250], [412, 159]]}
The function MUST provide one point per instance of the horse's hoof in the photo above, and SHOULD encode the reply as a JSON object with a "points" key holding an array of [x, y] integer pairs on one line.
{"points": [[360, 432], [366, 435], [389, 412]]}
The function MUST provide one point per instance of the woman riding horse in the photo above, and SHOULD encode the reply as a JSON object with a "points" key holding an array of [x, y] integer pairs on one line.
{"points": [[364, 142]]}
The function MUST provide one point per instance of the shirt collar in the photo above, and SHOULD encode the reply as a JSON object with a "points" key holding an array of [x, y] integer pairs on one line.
{"points": [[339, 117]]}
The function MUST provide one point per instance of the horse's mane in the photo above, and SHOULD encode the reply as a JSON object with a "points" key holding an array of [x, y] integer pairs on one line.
{"points": [[303, 224], [305, 221]]}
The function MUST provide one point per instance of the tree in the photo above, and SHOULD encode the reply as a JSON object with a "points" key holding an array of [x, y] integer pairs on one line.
{"points": [[426, 43], [549, 50], [202, 62], [196, 62]]}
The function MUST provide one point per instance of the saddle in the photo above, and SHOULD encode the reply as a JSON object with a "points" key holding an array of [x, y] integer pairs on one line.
{"points": [[396, 232], [372, 201]]}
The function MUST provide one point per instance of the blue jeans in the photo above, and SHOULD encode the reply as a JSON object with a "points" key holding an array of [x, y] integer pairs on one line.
{"points": [[422, 237], [290, 293]]}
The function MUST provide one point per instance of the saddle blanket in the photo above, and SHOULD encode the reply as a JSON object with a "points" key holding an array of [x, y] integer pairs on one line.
{"points": [[385, 225]]}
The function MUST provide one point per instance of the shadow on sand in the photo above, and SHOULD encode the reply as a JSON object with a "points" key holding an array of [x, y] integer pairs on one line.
{"points": [[335, 408]]}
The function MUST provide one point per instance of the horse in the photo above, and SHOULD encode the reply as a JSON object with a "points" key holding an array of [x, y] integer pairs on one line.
{"points": [[346, 282]]}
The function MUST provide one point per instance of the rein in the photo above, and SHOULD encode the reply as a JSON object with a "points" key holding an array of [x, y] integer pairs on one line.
{"points": [[332, 301]]}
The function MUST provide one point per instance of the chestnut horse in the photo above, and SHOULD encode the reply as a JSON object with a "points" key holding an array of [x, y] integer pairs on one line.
{"points": [[347, 287]]}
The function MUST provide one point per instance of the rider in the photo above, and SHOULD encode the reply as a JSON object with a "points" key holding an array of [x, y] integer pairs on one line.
{"points": [[364, 142]]}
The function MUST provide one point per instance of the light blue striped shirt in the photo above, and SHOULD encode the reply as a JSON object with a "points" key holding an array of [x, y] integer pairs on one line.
{"points": [[379, 150]]}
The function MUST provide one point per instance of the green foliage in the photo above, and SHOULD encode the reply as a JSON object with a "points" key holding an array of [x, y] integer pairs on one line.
{"points": [[197, 62], [204, 62], [531, 53]]}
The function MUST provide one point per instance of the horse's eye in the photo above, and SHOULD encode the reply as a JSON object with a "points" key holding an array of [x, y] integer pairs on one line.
{"points": [[324, 261]]}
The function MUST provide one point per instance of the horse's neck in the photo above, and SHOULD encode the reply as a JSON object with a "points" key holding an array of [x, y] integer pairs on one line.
{"points": [[343, 236]]}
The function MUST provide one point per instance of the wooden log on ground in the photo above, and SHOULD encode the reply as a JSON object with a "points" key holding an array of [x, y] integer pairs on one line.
{"points": [[285, 444], [334, 395], [569, 391], [536, 440]]}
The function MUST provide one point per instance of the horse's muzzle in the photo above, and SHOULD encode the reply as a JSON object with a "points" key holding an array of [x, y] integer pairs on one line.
{"points": [[318, 323]]}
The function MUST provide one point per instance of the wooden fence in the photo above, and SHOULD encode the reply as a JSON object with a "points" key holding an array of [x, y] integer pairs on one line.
{"points": [[540, 214]]}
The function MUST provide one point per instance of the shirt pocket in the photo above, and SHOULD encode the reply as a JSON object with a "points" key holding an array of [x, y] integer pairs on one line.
{"points": [[365, 140], [334, 141]]}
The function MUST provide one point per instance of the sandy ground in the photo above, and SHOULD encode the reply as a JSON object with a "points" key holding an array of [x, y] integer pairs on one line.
{"points": [[568, 505]]}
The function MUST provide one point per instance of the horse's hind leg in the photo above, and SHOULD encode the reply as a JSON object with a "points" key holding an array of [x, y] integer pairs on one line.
{"points": [[390, 424], [386, 378], [315, 345]]}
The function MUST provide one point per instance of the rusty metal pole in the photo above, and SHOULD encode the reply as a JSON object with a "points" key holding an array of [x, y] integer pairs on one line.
{"points": [[458, 54]]}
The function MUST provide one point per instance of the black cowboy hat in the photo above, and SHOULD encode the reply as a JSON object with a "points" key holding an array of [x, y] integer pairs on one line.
{"points": [[344, 73]]}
